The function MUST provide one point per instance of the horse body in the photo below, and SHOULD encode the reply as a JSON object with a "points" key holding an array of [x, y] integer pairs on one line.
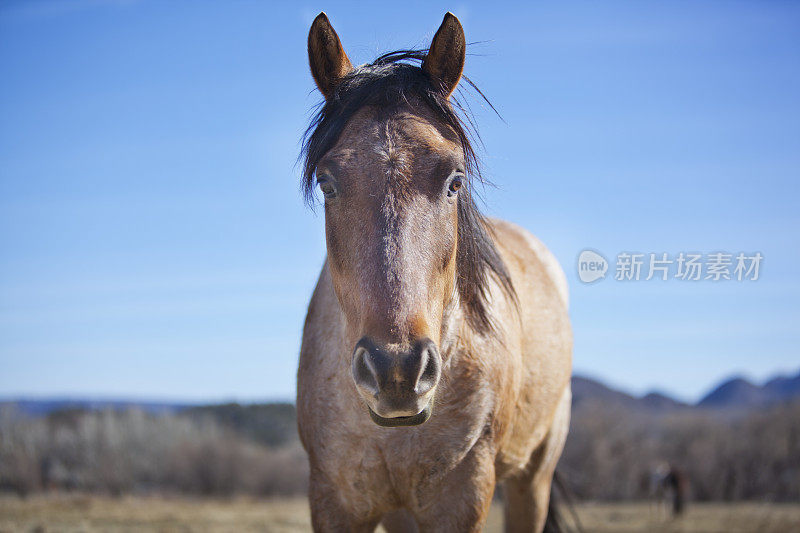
{"points": [[425, 316], [501, 412]]}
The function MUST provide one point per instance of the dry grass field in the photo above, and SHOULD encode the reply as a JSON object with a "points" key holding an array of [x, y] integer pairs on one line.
{"points": [[62, 513]]}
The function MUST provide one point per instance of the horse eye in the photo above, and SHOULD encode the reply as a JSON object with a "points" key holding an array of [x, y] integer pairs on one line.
{"points": [[328, 189], [455, 185]]}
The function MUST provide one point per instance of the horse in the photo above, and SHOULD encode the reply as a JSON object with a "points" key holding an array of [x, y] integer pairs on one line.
{"points": [[437, 348], [667, 482]]}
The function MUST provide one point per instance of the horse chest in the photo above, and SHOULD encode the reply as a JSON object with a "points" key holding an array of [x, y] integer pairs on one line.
{"points": [[380, 467]]}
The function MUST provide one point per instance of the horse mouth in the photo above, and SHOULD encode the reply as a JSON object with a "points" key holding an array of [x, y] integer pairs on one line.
{"points": [[402, 421]]}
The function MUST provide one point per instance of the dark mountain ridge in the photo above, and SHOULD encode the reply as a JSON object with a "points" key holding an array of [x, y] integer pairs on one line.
{"points": [[740, 393], [736, 393]]}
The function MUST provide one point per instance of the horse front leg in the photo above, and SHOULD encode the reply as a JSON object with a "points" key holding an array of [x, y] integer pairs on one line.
{"points": [[461, 501], [328, 514], [528, 494]]}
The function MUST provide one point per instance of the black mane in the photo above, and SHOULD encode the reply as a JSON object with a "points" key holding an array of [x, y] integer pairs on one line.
{"points": [[390, 80]]}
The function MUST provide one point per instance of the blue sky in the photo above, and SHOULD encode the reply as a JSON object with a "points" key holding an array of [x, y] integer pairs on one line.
{"points": [[154, 244]]}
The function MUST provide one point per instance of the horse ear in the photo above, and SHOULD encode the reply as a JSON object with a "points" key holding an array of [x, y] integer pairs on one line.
{"points": [[329, 64], [445, 60]]}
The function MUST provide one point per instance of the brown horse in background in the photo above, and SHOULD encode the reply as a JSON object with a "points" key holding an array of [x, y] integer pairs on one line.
{"points": [[436, 353]]}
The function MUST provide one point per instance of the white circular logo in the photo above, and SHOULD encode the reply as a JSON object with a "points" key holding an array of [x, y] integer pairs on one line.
{"points": [[591, 266]]}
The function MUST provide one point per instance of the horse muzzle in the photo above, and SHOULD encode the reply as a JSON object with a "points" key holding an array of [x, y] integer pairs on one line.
{"points": [[398, 388]]}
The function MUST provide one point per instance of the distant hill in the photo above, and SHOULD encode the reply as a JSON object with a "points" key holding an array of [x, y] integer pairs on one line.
{"points": [[783, 387], [739, 393], [46, 406], [274, 423], [661, 402], [587, 391], [736, 393]]}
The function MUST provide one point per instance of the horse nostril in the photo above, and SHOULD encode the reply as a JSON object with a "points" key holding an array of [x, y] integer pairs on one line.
{"points": [[364, 372], [430, 365]]}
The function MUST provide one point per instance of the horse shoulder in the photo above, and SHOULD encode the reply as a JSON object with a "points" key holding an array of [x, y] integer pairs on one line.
{"points": [[531, 254], [546, 339]]}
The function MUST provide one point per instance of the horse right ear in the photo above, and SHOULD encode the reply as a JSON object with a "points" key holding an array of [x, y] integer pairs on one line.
{"points": [[445, 60], [329, 64]]}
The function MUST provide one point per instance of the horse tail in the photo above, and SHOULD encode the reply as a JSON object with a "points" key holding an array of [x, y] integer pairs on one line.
{"points": [[561, 499]]}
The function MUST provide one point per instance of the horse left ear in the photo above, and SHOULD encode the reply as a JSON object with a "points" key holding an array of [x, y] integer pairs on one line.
{"points": [[445, 60]]}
